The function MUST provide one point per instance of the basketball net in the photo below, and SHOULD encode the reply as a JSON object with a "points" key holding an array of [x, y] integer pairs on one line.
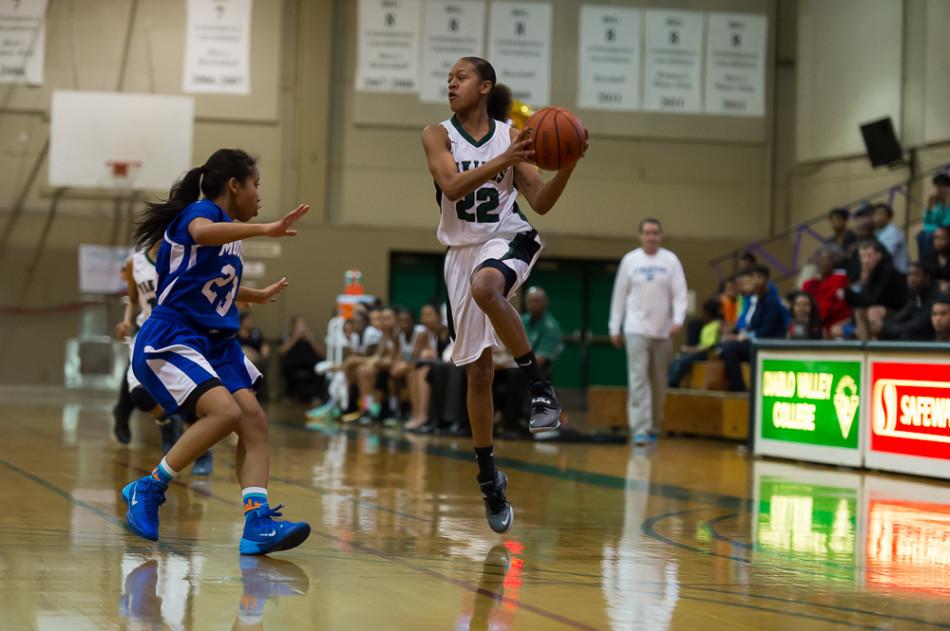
{"points": [[124, 173]]}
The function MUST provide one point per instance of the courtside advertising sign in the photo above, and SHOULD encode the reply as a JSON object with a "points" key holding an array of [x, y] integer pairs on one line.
{"points": [[909, 405], [808, 406]]}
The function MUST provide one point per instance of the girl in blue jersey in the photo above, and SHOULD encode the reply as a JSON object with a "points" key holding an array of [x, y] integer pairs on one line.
{"points": [[186, 354]]}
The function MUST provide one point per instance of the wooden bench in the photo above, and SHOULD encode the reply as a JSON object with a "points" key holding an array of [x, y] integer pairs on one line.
{"points": [[696, 379]]}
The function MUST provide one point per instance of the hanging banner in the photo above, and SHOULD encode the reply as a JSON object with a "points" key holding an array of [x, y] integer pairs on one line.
{"points": [[520, 49], [673, 66], [735, 64], [218, 47], [609, 68], [22, 41], [453, 29], [388, 49]]}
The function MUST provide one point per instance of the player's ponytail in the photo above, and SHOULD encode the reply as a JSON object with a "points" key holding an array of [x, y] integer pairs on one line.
{"points": [[208, 179], [498, 102]]}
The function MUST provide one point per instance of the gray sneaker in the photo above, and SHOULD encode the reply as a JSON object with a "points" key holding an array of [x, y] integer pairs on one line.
{"points": [[499, 512], [545, 411]]}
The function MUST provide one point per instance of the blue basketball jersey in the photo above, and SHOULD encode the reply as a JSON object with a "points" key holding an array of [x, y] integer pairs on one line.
{"points": [[198, 283]]}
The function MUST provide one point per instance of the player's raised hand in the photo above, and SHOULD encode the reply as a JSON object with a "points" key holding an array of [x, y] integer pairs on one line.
{"points": [[271, 292], [282, 227], [521, 147]]}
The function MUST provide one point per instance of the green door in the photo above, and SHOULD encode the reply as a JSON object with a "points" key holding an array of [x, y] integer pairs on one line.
{"points": [[564, 282], [607, 366], [415, 279]]}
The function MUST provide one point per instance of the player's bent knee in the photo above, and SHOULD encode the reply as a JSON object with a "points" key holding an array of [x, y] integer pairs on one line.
{"points": [[479, 376]]}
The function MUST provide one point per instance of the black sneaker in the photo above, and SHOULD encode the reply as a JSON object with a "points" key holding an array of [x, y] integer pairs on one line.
{"points": [[545, 411], [499, 512], [120, 427]]}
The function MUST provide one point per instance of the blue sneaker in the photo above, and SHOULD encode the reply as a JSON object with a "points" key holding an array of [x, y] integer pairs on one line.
{"points": [[263, 535], [204, 465], [143, 497], [321, 411]]}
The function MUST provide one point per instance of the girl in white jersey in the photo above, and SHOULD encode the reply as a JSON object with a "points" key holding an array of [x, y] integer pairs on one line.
{"points": [[480, 165]]}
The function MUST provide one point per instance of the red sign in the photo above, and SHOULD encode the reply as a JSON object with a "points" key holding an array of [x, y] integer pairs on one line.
{"points": [[910, 409]]}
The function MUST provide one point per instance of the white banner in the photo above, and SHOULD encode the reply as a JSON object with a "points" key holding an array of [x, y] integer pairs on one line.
{"points": [[100, 268], [520, 49], [609, 68], [735, 64], [218, 47], [22, 41], [388, 49], [674, 47], [453, 29]]}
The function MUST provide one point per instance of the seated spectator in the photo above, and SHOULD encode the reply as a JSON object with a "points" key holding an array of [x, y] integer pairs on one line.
{"points": [[864, 229], [427, 352], [765, 318], [373, 376], [362, 346], [708, 339], [937, 214], [806, 321], [729, 302], [912, 322], [840, 234], [544, 332], [299, 354], [878, 290], [829, 288], [408, 332], [891, 236], [255, 348], [940, 317], [936, 260]]}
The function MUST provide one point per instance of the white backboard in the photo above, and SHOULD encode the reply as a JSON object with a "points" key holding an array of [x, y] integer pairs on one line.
{"points": [[88, 129]]}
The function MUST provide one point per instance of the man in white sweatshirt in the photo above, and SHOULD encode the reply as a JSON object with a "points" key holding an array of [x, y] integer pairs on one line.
{"points": [[649, 302]]}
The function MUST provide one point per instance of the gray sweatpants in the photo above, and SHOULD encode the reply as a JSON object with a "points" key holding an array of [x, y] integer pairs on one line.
{"points": [[648, 362]]}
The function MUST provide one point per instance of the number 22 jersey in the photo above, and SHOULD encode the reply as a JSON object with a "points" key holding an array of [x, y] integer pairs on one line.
{"points": [[198, 283], [491, 211]]}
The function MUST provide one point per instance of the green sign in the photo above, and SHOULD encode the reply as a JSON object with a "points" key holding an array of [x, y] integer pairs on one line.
{"points": [[802, 521], [810, 401]]}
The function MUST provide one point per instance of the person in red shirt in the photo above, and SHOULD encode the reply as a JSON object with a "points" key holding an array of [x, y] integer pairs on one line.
{"points": [[829, 288]]}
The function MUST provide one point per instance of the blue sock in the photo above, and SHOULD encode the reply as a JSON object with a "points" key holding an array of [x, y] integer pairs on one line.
{"points": [[163, 474], [254, 497]]}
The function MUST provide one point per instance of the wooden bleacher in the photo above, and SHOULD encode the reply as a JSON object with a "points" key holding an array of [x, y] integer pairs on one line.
{"points": [[693, 410]]}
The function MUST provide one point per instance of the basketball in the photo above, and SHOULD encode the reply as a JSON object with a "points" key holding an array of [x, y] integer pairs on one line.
{"points": [[558, 138]]}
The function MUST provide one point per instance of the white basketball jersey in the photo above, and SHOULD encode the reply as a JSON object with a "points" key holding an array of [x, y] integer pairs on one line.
{"points": [[146, 279], [491, 211]]}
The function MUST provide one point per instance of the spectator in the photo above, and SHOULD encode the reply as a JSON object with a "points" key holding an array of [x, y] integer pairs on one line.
{"points": [[891, 236], [765, 318], [255, 348], [403, 365], [649, 300], [544, 332], [729, 302], [299, 354], [373, 376], [940, 317], [362, 346], [937, 214], [829, 287], [912, 322], [806, 321], [427, 352], [708, 339], [864, 229], [841, 235], [936, 260], [747, 262], [878, 289]]}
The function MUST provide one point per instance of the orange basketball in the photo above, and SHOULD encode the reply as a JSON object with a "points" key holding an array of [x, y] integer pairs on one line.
{"points": [[559, 138]]}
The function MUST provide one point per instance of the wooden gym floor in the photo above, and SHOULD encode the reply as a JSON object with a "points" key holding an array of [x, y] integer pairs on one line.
{"points": [[688, 534]]}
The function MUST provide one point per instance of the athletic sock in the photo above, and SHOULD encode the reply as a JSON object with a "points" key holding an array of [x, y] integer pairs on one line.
{"points": [[254, 497], [532, 370], [486, 463], [163, 473]]}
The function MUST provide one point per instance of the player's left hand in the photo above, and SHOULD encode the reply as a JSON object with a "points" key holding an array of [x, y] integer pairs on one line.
{"points": [[271, 292]]}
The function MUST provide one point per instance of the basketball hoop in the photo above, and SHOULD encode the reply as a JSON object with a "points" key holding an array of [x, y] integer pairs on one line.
{"points": [[124, 172]]}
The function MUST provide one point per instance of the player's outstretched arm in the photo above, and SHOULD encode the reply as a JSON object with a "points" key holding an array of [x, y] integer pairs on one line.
{"points": [[264, 295], [541, 195], [454, 184], [207, 232]]}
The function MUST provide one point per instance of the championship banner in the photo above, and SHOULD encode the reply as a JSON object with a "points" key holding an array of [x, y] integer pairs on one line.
{"points": [[909, 405], [808, 406]]}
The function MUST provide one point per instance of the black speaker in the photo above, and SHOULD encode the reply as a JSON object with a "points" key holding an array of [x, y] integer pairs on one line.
{"points": [[884, 149]]}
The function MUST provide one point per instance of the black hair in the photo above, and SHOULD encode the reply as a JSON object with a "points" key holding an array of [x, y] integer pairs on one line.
{"points": [[762, 270], [864, 211], [844, 213], [940, 298], [871, 243], [209, 180], [244, 316], [941, 179], [814, 326], [887, 208], [644, 222], [433, 305], [944, 228], [748, 256], [500, 98], [713, 307]]}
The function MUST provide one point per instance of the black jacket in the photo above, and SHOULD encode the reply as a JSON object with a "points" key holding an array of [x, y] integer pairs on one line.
{"points": [[886, 287], [913, 321]]}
